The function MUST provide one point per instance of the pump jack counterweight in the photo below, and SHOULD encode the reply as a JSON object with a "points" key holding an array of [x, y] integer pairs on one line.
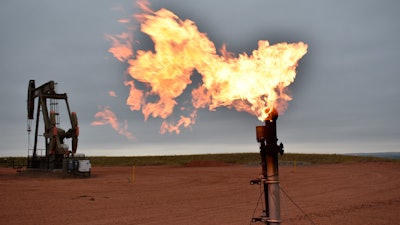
{"points": [[56, 153]]}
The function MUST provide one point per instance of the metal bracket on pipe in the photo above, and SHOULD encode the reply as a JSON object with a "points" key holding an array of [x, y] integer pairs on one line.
{"points": [[259, 219], [255, 181], [272, 181]]}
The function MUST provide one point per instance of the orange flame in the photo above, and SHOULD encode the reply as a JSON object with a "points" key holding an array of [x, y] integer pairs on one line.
{"points": [[122, 47], [106, 116], [249, 83], [113, 94]]}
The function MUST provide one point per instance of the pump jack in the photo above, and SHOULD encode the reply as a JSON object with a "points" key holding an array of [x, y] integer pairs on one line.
{"points": [[56, 153]]}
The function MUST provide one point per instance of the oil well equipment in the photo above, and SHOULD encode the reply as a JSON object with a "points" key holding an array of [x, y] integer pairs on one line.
{"points": [[47, 113]]}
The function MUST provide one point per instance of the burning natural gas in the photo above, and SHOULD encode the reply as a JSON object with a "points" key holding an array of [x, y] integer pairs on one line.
{"points": [[157, 78]]}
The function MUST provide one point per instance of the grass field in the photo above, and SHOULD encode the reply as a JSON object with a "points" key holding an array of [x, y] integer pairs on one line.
{"points": [[234, 158]]}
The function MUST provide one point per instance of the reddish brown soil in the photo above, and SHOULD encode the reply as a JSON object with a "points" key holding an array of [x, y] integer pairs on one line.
{"points": [[360, 193]]}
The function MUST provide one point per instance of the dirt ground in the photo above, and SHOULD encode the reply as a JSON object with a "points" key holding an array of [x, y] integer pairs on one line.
{"points": [[202, 193]]}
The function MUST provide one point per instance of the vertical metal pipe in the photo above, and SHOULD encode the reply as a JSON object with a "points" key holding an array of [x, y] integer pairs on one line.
{"points": [[269, 149], [272, 169], [264, 173], [273, 189]]}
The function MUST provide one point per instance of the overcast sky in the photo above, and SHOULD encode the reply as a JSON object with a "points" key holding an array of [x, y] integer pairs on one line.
{"points": [[345, 96]]}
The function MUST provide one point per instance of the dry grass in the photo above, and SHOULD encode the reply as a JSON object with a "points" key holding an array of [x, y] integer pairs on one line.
{"points": [[233, 158]]}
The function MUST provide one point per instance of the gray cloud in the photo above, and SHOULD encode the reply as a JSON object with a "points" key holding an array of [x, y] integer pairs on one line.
{"points": [[345, 96]]}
